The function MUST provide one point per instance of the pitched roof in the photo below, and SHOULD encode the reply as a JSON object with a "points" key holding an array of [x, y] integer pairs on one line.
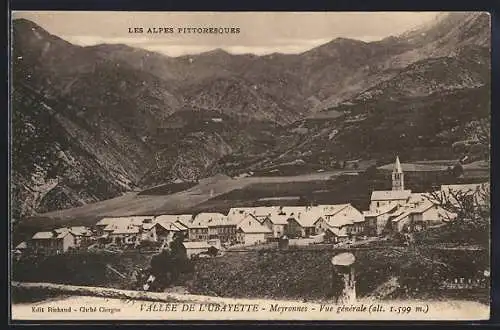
{"points": [[278, 219], [251, 225], [110, 227], [308, 217], [207, 218], [440, 210], [417, 198], [148, 226], [332, 209], [105, 221], [240, 210], [198, 224], [181, 225], [347, 215], [266, 210], [43, 235], [134, 220], [202, 244], [125, 230], [80, 230], [63, 233], [293, 210], [196, 245], [221, 222], [380, 211], [122, 228], [21, 245], [174, 218], [76, 230], [51, 234], [337, 232], [423, 207], [171, 226], [401, 216], [388, 195], [236, 214]]}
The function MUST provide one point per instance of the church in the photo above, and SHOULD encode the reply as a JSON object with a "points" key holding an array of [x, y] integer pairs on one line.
{"points": [[398, 196], [400, 210]]}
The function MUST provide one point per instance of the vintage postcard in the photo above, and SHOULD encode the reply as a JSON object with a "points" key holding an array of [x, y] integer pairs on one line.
{"points": [[250, 166]]}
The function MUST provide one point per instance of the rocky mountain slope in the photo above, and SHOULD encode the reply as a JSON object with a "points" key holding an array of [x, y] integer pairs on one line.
{"points": [[92, 122], [60, 160]]}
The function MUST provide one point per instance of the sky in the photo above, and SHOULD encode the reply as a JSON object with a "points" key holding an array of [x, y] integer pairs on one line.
{"points": [[259, 32]]}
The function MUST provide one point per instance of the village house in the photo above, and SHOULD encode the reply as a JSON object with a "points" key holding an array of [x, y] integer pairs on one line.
{"points": [[222, 229], [122, 233], [167, 226], [376, 222], [20, 248], [148, 232], [103, 223], [199, 228], [400, 220], [159, 232], [347, 213], [277, 223], [52, 242], [301, 219], [83, 235], [180, 220], [339, 222], [416, 218], [429, 215], [250, 231], [236, 214], [183, 229], [197, 231], [126, 230], [122, 221], [196, 248]]}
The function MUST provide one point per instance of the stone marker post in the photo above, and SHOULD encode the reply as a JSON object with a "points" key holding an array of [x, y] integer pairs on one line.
{"points": [[343, 264]]}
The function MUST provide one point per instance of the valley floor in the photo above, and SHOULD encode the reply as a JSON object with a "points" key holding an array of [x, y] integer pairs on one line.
{"points": [[133, 203]]}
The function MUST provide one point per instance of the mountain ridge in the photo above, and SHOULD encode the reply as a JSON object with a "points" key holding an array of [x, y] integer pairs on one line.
{"points": [[155, 119]]}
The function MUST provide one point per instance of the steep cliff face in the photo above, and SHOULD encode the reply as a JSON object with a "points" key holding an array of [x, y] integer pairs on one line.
{"points": [[58, 162], [90, 123]]}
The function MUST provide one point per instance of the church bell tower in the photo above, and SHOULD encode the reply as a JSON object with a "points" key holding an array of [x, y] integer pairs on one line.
{"points": [[398, 182]]}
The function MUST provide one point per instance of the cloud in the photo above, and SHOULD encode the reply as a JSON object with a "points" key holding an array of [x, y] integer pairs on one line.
{"points": [[181, 46]]}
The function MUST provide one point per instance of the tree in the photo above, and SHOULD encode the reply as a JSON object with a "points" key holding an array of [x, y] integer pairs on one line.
{"points": [[481, 132], [213, 251], [467, 210], [457, 170], [371, 171], [168, 265]]}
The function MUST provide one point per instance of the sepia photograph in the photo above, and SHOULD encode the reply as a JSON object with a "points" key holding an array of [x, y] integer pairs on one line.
{"points": [[250, 166]]}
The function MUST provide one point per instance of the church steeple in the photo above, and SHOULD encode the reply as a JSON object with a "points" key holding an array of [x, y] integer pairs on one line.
{"points": [[398, 182]]}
